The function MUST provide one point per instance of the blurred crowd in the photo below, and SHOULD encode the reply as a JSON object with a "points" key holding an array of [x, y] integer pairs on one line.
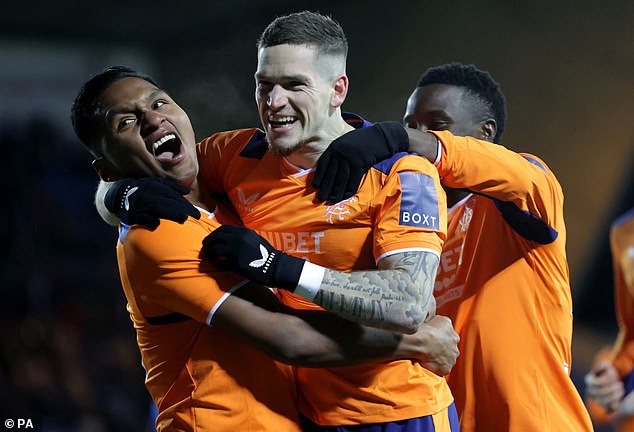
{"points": [[68, 359]]}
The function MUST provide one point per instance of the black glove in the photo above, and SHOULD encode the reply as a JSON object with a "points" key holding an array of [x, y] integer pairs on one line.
{"points": [[341, 167], [144, 201], [247, 253]]}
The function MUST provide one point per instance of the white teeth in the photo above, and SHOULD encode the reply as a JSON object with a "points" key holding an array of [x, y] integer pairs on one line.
{"points": [[285, 119], [163, 140]]}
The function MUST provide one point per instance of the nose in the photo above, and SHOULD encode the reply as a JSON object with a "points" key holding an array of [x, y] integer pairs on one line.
{"points": [[150, 121], [277, 98]]}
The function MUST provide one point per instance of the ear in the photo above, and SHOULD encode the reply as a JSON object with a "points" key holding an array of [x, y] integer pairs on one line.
{"points": [[105, 170], [488, 129], [340, 91]]}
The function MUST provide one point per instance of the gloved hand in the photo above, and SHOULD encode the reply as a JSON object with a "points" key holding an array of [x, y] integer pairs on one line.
{"points": [[341, 167], [247, 253], [145, 201]]}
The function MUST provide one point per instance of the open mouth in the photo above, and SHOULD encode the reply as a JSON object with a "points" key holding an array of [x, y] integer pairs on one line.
{"points": [[168, 149], [281, 121]]}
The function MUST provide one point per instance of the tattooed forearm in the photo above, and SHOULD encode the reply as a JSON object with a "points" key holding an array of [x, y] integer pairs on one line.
{"points": [[397, 296]]}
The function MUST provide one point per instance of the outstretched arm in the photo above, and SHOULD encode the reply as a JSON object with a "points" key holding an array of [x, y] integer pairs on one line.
{"points": [[397, 296], [173, 277], [343, 164], [321, 339]]}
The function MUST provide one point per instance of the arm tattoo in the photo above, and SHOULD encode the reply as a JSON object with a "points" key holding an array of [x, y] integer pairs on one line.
{"points": [[399, 294]]}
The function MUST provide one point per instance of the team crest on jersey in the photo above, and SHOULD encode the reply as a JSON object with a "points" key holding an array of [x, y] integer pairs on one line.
{"points": [[339, 210], [467, 214], [419, 201], [244, 201]]}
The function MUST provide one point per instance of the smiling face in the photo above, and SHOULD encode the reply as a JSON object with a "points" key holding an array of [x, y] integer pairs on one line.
{"points": [[298, 93], [452, 108], [145, 133], [447, 107]]}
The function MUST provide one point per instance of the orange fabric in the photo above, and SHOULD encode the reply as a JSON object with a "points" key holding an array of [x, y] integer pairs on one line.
{"points": [[622, 246], [200, 378], [276, 199], [441, 421], [508, 296], [624, 424]]}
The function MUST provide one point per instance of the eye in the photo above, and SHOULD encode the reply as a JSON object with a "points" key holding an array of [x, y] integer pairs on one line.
{"points": [[439, 125], [159, 103], [124, 122], [263, 85], [293, 84]]}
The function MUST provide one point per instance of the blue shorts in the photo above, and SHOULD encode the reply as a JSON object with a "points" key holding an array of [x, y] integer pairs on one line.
{"points": [[430, 423]]}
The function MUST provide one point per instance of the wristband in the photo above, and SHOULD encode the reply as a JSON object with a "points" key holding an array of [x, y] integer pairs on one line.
{"points": [[310, 280], [438, 150]]}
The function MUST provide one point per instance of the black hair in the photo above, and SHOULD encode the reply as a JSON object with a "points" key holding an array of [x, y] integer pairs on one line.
{"points": [[306, 28], [86, 112], [478, 82]]}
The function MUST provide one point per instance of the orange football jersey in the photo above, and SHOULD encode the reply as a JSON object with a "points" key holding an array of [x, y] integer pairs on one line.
{"points": [[400, 206], [200, 378], [503, 280]]}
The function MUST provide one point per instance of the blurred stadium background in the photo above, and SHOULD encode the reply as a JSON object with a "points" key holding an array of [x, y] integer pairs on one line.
{"points": [[68, 357]]}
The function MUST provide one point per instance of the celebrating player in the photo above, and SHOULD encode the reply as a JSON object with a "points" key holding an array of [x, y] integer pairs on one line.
{"points": [[204, 333], [390, 235], [503, 278]]}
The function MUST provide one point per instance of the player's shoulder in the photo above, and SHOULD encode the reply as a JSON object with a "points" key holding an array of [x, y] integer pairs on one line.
{"points": [[623, 220], [232, 135], [537, 161], [236, 139], [162, 239], [405, 162]]}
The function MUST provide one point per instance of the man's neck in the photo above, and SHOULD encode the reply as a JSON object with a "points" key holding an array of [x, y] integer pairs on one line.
{"points": [[200, 196], [307, 156]]}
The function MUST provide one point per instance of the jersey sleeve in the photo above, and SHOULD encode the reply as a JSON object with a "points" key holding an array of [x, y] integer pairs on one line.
{"points": [[523, 188], [168, 275], [411, 209]]}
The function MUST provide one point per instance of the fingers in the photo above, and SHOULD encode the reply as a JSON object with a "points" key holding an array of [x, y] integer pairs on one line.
{"points": [[193, 211], [215, 246], [326, 183], [443, 354], [227, 241], [171, 184], [626, 408], [340, 183], [352, 185], [168, 207], [604, 386], [148, 221], [322, 169]]}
